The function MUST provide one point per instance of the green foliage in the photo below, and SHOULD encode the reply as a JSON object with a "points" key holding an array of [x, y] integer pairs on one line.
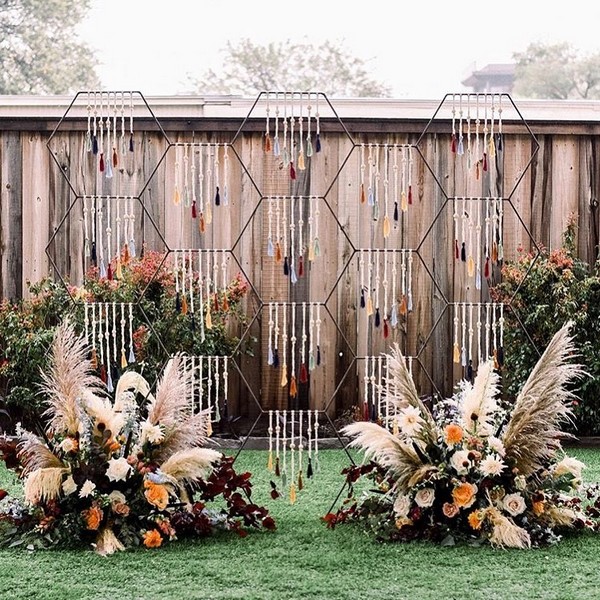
{"points": [[27, 326], [40, 52], [544, 292], [556, 71], [249, 68]]}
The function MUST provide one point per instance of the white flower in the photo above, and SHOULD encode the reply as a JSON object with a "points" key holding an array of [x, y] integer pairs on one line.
{"points": [[491, 465], [402, 505], [496, 445], [410, 421], [514, 504], [151, 433], [425, 497], [68, 445], [569, 465], [460, 461], [69, 486], [87, 488], [118, 469], [117, 496]]}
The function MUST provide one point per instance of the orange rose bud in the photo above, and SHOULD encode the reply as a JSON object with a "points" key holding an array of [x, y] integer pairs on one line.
{"points": [[152, 539]]}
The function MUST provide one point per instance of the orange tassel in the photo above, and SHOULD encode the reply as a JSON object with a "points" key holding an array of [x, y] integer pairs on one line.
{"points": [[403, 307], [363, 197], [119, 269], [126, 255], [224, 303], [216, 301], [494, 253], [176, 197], [201, 223], [284, 379], [292, 493], [278, 255], [209, 429], [208, 320], [184, 305], [267, 142], [293, 387], [123, 360]]}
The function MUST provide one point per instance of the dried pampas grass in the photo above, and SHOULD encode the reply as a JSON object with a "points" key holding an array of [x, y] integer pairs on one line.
{"points": [[44, 484], [188, 465]]}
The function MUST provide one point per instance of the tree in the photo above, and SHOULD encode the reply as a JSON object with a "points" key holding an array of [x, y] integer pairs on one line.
{"points": [[556, 71], [249, 68], [39, 49]]}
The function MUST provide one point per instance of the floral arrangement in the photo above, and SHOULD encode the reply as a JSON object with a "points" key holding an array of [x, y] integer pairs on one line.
{"points": [[119, 473], [474, 468]]}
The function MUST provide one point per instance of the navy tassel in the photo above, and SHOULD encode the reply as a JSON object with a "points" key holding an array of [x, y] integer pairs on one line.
{"points": [[94, 255], [178, 302], [286, 267], [318, 143], [217, 198], [362, 298], [131, 143], [95, 145], [396, 216], [318, 355], [377, 318], [463, 253], [275, 358], [309, 469]]}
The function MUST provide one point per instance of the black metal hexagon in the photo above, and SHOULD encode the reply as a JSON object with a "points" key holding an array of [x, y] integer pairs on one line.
{"points": [[296, 158], [111, 157], [467, 154]]}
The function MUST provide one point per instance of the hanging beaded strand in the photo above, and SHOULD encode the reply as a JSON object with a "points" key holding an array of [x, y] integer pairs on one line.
{"points": [[362, 194], [292, 226], [293, 339], [301, 163], [277, 434], [276, 147], [267, 137], [284, 340], [270, 358], [108, 171], [300, 449], [131, 357], [122, 322], [311, 337], [303, 377], [309, 146], [386, 228], [318, 329], [292, 152], [318, 126], [394, 311], [292, 459]]}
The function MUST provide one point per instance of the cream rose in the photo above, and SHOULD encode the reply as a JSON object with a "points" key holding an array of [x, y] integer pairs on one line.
{"points": [[118, 469], [402, 505], [514, 504], [569, 465], [425, 497]]}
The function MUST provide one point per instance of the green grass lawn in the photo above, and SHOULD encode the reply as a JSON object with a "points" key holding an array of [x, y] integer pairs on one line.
{"points": [[303, 559]]}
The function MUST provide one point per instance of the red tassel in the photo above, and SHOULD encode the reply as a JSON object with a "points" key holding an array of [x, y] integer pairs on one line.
{"points": [[410, 194], [292, 171], [366, 411], [486, 269], [293, 387], [224, 303], [115, 158], [201, 223], [453, 143], [303, 373], [103, 373], [109, 272], [267, 144], [216, 302], [194, 213], [386, 329], [456, 250], [101, 163], [300, 266], [485, 165]]}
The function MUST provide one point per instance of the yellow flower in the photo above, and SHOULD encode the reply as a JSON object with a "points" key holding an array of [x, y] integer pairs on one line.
{"points": [[453, 434], [152, 539], [156, 494], [464, 494], [402, 521], [476, 519]]}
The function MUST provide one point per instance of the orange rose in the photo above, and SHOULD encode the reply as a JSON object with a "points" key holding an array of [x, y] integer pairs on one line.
{"points": [[538, 508], [156, 494], [476, 519], [464, 494], [93, 517], [453, 434], [152, 539]]}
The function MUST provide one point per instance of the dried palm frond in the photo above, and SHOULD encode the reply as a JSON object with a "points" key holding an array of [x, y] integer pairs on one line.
{"points": [[532, 435], [479, 403], [189, 465], [44, 484], [190, 433], [107, 542], [69, 377], [34, 454], [171, 402], [391, 452], [506, 533], [399, 390]]}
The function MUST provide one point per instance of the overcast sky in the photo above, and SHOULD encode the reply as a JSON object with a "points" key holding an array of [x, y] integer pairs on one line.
{"points": [[422, 48]]}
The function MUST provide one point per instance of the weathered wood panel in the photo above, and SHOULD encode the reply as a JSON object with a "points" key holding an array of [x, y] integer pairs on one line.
{"points": [[37, 200]]}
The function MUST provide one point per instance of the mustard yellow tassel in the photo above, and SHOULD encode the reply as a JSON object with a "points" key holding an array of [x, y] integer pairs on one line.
{"points": [[270, 461], [208, 320], [292, 493], [284, 379], [456, 356], [369, 306], [403, 202], [176, 197], [123, 360], [386, 226], [301, 164], [395, 429], [119, 269], [470, 266], [209, 429], [208, 217]]}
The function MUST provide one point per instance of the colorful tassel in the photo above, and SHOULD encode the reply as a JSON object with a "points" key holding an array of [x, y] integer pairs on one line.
{"points": [[101, 162], [377, 318], [115, 158], [184, 305], [95, 145], [386, 329], [485, 162], [396, 215], [267, 143], [301, 163], [369, 306], [470, 266], [300, 482], [131, 357], [201, 223], [109, 272], [486, 268], [293, 387], [284, 377], [131, 143], [463, 253], [270, 461], [270, 248], [103, 373], [403, 307], [275, 358], [208, 319], [94, 255], [94, 359], [386, 226], [453, 144], [303, 377], [119, 271], [362, 298], [278, 254], [410, 195], [318, 355], [292, 493], [178, 302]]}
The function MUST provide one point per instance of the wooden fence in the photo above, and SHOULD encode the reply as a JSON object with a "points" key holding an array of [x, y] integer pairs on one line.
{"points": [[546, 169]]}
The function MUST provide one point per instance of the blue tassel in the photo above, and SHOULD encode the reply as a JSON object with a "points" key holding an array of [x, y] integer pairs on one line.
{"points": [[293, 276], [102, 269], [270, 248], [94, 145], [396, 216], [394, 315], [275, 358], [131, 357], [270, 356], [109, 381], [132, 247], [286, 267]]}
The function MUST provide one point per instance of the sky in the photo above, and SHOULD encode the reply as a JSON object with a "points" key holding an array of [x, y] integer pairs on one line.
{"points": [[423, 49]]}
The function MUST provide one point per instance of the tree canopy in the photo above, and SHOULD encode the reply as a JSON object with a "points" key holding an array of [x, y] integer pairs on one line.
{"points": [[556, 71], [249, 68], [40, 52]]}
